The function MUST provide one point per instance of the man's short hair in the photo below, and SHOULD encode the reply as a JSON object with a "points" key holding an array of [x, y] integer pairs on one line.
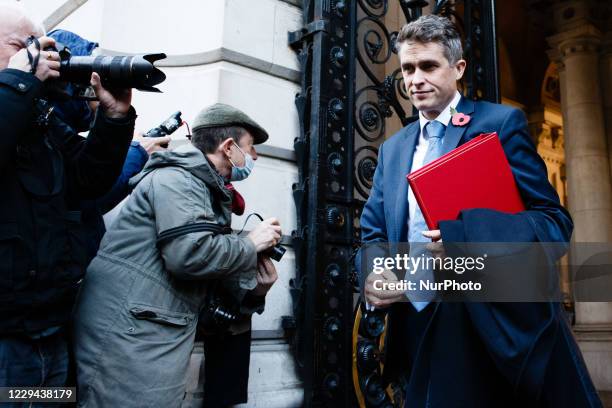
{"points": [[432, 28], [208, 139]]}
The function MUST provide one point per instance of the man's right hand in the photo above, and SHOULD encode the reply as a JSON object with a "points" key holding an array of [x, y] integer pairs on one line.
{"points": [[48, 63], [266, 234], [382, 298]]}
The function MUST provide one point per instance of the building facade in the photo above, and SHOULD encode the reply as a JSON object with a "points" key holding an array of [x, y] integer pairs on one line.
{"points": [[554, 62]]}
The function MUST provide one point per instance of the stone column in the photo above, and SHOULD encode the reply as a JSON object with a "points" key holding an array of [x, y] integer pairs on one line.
{"points": [[588, 168], [606, 86], [576, 49]]}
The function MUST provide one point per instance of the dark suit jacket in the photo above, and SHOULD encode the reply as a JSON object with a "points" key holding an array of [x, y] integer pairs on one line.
{"points": [[480, 354]]}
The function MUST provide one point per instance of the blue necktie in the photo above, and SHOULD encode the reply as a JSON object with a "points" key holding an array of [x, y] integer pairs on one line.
{"points": [[433, 133]]}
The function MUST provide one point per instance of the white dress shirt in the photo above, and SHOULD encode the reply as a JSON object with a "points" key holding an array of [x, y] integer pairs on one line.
{"points": [[421, 148], [419, 153]]}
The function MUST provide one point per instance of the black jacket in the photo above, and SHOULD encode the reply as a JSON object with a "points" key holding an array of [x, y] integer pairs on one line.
{"points": [[45, 171]]}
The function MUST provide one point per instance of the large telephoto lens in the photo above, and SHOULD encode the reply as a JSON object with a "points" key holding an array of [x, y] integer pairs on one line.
{"points": [[119, 71]]}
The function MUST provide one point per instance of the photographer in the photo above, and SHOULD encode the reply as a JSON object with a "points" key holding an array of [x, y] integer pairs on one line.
{"points": [[139, 306], [45, 170]]}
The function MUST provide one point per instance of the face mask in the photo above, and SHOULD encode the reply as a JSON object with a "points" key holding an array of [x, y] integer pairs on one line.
{"points": [[240, 173]]}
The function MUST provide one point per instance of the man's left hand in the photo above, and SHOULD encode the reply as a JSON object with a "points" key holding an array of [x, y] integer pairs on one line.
{"points": [[436, 248], [152, 144], [266, 276], [434, 235], [116, 103]]}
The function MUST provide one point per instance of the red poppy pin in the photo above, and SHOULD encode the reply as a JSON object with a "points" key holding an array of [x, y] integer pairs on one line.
{"points": [[459, 119]]}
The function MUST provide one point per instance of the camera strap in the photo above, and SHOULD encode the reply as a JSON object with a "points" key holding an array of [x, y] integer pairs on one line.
{"points": [[33, 60], [172, 233]]}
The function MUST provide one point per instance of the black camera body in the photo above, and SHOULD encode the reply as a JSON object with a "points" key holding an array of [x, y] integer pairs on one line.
{"points": [[276, 252], [167, 127], [219, 312]]}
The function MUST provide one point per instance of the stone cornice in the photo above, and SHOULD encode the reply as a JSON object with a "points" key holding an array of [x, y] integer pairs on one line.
{"points": [[222, 54], [587, 30], [580, 46], [593, 332], [61, 13], [584, 39], [572, 14]]}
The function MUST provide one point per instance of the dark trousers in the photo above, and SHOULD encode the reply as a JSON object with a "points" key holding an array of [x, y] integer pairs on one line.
{"points": [[26, 362], [226, 366], [406, 329]]}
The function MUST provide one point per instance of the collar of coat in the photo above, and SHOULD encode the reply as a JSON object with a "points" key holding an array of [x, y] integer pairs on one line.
{"points": [[189, 158]]}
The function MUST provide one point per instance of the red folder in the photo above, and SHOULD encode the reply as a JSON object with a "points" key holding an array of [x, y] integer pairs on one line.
{"points": [[474, 175]]}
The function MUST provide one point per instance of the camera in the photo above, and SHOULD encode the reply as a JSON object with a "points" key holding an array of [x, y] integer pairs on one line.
{"points": [[119, 71], [219, 312], [167, 127], [276, 252]]}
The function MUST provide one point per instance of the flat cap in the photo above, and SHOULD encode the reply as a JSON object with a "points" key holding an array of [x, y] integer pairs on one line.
{"points": [[221, 115]]}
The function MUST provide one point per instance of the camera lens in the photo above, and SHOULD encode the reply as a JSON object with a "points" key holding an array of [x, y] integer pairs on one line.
{"points": [[276, 253]]}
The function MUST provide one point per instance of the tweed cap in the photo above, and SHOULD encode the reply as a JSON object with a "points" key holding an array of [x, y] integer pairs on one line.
{"points": [[220, 115]]}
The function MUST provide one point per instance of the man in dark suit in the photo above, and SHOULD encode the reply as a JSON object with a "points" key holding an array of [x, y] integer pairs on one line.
{"points": [[468, 354]]}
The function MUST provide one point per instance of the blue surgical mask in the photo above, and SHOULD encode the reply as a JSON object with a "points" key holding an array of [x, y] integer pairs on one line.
{"points": [[240, 173]]}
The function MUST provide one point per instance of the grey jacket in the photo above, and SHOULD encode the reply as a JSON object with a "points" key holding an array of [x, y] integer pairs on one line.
{"points": [[137, 310]]}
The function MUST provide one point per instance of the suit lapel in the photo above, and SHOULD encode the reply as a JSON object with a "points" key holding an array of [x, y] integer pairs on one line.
{"points": [[454, 133], [411, 136]]}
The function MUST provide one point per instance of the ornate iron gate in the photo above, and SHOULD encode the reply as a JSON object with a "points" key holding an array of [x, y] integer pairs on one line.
{"points": [[349, 101]]}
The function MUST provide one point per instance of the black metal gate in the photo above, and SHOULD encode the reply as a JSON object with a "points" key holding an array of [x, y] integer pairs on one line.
{"points": [[351, 98]]}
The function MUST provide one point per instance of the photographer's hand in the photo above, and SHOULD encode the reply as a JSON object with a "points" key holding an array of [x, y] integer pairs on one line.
{"points": [[48, 62], [114, 103], [152, 144], [266, 234], [266, 276]]}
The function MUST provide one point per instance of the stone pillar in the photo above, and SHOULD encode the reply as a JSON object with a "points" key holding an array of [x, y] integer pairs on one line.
{"points": [[588, 168], [606, 87], [576, 49]]}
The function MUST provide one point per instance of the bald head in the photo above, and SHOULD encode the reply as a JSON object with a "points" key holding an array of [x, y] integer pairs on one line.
{"points": [[15, 27]]}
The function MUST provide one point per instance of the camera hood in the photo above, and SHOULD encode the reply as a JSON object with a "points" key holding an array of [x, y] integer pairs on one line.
{"points": [[119, 71]]}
